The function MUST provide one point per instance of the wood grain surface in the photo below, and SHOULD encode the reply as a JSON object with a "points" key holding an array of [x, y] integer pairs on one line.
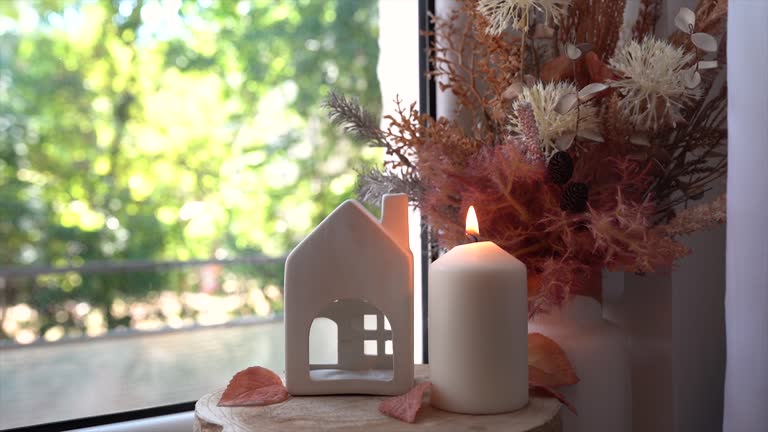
{"points": [[360, 413]]}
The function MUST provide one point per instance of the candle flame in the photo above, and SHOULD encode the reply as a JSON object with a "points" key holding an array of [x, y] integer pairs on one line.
{"points": [[473, 228]]}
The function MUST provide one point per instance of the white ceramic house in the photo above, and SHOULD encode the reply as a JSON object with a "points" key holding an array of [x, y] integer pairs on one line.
{"points": [[356, 271]]}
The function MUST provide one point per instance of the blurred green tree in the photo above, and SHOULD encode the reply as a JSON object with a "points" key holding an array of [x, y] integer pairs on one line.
{"points": [[161, 129]]}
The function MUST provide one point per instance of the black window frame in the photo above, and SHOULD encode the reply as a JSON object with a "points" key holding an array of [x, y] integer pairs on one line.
{"points": [[427, 105]]}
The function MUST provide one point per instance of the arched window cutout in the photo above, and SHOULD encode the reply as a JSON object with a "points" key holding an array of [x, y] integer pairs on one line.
{"points": [[323, 342], [360, 342]]}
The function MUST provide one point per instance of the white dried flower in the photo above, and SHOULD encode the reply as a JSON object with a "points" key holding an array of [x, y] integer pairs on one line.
{"points": [[543, 99], [503, 13], [653, 89]]}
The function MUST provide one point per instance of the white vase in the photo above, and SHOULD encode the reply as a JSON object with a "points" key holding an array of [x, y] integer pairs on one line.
{"points": [[597, 350]]}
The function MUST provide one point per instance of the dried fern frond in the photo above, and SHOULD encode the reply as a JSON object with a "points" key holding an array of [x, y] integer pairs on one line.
{"points": [[373, 184], [551, 282], [625, 242], [475, 66], [364, 126], [356, 121]]}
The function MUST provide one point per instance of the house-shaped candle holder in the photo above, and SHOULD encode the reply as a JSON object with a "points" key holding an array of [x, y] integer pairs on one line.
{"points": [[357, 272]]}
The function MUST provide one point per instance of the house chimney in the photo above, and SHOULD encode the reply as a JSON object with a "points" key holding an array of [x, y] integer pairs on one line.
{"points": [[394, 217]]}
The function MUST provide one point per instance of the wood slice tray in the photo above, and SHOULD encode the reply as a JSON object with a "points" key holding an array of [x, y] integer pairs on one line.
{"points": [[361, 413]]}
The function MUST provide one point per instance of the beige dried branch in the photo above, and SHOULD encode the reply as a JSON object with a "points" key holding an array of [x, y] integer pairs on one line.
{"points": [[474, 66], [452, 41], [403, 136]]}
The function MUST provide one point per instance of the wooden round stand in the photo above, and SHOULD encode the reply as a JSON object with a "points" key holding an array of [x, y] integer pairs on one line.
{"points": [[361, 413]]}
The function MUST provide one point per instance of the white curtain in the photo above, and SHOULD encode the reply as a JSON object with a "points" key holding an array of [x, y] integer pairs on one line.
{"points": [[746, 300]]}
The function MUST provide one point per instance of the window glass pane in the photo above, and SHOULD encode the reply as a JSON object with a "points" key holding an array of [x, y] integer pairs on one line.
{"points": [[158, 159]]}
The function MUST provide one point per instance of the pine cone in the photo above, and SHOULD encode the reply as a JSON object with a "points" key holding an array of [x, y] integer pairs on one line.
{"points": [[560, 167], [575, 198]]}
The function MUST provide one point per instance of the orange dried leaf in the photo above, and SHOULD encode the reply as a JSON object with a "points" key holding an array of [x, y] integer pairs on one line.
{"points": [[597, 70], [534, 284], [558, 69], [547, 363], [406, 406], [548, 391], [538, 377], [255, 386]]}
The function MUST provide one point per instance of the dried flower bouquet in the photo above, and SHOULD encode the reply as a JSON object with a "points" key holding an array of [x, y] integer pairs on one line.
{"points": [[577, 141]]}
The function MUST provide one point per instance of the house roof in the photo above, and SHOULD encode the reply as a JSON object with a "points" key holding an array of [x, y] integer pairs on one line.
{"points": [[348, 209], [330, 256]]}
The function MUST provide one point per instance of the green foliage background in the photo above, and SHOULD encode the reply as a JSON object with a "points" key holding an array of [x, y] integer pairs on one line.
{"points": [[170, 130]]}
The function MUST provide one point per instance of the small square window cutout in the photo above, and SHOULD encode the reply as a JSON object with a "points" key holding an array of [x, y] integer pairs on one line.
{"points": [[388, 347], [370, 347], [369, 322]]}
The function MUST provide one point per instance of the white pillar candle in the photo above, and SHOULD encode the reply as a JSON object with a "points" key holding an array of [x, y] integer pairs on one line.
{"points": [[478, 337]]}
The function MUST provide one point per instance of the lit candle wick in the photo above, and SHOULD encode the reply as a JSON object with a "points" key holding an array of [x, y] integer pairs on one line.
{"points": [[472, 226]]}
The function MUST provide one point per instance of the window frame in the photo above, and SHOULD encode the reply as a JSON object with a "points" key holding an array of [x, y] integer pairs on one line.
{"points": [[427, 105]]}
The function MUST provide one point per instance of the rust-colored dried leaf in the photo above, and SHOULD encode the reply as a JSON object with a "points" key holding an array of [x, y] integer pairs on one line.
{"points": [[548, 391], [406, 406], [534, 284], [557, 69], [255, 386], [538, 377], [547, 363], [598, 71]]}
